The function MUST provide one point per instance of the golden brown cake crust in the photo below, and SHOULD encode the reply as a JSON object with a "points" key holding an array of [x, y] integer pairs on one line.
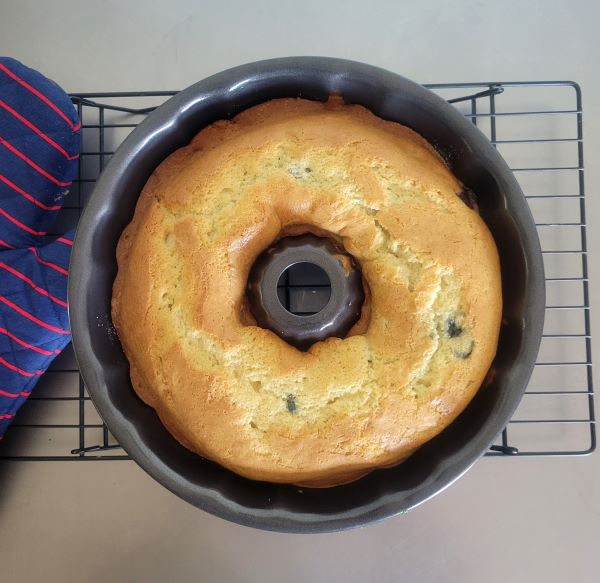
{"points": [[220, 383]]}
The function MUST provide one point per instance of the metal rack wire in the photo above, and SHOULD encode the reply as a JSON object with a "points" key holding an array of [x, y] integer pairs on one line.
{"points": [[538, 128]]}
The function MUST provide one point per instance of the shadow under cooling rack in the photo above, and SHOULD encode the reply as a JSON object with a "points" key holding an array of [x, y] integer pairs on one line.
{"points": [[536, 126]]}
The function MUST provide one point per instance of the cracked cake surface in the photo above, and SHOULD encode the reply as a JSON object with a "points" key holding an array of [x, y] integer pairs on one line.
{"points": [[240, 395]]}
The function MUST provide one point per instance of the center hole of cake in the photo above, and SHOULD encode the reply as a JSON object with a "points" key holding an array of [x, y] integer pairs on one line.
{"points": [[304, 289]]}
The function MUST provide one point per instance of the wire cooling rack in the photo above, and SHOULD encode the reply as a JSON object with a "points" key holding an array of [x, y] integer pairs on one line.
{"points": [[537, 126]]}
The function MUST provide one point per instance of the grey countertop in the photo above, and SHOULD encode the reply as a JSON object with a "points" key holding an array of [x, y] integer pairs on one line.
{"points": [[507, 519]]}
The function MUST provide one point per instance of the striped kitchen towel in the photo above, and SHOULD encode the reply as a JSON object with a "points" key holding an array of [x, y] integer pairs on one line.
{"points": [[39, 147]]}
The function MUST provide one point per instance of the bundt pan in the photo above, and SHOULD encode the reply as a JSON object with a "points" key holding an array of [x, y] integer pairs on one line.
{"points": [[382, 493]]}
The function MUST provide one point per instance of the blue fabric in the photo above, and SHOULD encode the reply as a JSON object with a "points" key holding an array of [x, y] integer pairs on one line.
{"points": [[39, 146]]}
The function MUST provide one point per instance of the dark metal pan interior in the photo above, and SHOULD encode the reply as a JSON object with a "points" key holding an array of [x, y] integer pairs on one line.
{"points": [[385, 492]]}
